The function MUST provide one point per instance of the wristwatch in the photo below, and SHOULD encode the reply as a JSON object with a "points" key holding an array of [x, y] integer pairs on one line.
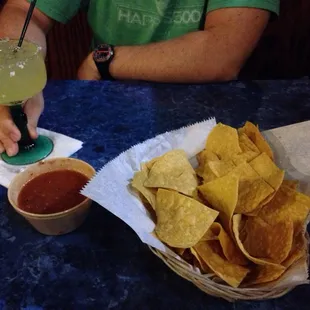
{"points": [[102, 56]]}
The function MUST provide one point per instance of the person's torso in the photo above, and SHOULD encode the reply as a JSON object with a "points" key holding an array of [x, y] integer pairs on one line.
{"points": [[132, 22]]}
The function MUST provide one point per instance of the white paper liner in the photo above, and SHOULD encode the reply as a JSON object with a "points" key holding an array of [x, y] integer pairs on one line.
{"points": [[110, 186]]}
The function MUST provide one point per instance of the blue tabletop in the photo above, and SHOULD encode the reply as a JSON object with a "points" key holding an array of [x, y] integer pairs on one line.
{"points": [[103, 264]]}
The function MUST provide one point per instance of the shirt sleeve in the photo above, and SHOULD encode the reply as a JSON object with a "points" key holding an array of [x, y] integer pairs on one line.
{"points": [[59, 10], [270, 5]]}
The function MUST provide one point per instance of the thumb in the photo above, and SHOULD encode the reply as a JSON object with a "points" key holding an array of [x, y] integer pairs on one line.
{"points": [[33, 109]]}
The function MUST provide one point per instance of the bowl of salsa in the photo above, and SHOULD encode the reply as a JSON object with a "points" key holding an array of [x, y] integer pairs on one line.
{"points": [[47, 194]]}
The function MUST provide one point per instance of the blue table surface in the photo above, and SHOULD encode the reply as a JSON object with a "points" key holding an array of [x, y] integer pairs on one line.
{"points": [[103, 264]]}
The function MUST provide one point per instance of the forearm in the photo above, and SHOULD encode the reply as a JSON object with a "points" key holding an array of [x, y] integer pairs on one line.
{"points": [[215, 54], [193, 58], [12, 19]]}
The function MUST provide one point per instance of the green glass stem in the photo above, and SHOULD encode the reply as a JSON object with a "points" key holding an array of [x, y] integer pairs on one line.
{"points": [[20, 120]]}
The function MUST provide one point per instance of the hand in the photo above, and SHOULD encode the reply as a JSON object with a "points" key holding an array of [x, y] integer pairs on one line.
{"points": [[9, 133], [88, 69]]}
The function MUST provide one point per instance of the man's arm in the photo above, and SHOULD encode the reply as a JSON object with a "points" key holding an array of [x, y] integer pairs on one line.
{"points": [[12, 19], [215, 54]]}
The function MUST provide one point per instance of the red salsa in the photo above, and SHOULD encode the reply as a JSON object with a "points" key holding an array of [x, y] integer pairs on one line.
{"points": [[52, 192]]}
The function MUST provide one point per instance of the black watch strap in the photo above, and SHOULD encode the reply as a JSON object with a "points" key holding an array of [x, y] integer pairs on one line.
{"points": [[102, 56]]}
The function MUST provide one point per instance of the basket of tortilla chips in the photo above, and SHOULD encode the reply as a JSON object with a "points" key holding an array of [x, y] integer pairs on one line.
{"points": [[236, 227]]}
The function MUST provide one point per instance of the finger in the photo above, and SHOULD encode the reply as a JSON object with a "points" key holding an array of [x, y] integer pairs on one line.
{"points": [[9, 130], [33, 132], [10, 147], [1, 148], [7, 126]]}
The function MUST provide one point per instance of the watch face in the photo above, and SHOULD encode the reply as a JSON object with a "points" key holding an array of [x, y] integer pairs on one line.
{"points": [[103, 53]]}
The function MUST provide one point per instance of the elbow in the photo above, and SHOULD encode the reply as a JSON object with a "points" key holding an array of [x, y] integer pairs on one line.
{"points": [[230, 75], [226, 74], [219, 73], [19, 10]]}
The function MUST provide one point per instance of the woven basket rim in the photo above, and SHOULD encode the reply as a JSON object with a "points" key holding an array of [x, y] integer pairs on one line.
{"points": [[207, 284]]}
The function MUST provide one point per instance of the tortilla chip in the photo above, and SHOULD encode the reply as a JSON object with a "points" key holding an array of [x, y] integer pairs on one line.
{"points": [[173, 171], [223, 140], [299, 249], [265, 201], [293, 184], [244, 172], [138, 184], [148, 165], [210, 253], [203, 169], [209, 235], [181, 221], [287, 203], [197, 196], [266, 168], [206, 173], [251, 195], [272, 242], [221, 167], [179, 251], [252, 189], [206, 155], [222, 194], [188, 256], [200, 263], [247, 145], [229, 248], [239, 233], [256, 137], [263, 274], [244, 157]]}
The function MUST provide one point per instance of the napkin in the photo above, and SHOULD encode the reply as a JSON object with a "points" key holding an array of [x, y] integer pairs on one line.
{"points": [[64, 146]]}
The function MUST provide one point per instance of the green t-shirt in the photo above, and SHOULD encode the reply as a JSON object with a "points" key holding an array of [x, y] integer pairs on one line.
{"points": [[130, 22]]}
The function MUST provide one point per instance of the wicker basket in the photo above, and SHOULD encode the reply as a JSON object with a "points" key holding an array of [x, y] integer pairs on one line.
{"points": [[214, 286]]}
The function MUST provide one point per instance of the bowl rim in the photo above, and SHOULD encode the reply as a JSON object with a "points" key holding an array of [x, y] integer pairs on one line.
{"points": [[48, 215]]}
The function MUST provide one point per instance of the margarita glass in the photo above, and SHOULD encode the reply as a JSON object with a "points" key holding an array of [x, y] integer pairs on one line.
{"points": [[22, 75]]}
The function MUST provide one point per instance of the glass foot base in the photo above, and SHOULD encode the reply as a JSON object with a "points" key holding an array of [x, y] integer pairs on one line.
{"points": [[43, 147]]}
